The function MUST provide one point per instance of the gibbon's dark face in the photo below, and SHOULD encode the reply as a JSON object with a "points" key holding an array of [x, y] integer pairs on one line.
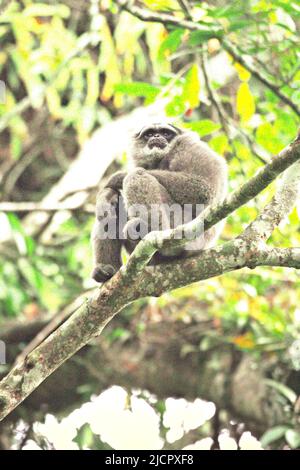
{"points": [[158, 136], [152, 143]]}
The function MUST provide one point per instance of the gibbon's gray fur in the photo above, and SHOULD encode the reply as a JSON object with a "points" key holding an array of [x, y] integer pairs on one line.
{"points": [[170, 166]]}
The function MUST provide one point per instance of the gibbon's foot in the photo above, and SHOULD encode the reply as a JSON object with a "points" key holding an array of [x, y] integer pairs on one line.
{"points": [[103, 272], [135, 229]]}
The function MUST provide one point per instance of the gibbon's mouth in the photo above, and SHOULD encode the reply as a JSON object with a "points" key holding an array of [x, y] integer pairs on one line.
{"points": [[159, 142]]}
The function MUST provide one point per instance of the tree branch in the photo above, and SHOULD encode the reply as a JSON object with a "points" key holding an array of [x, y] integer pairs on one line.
{"points": [[136, 280], [226, 121], [245, 62], [279, 207], [37, 207], [212, 32], [173, 238], [147, 15]]}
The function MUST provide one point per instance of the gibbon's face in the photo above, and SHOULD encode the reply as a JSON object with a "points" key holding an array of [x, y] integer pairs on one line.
{"points": [[153, 143]]}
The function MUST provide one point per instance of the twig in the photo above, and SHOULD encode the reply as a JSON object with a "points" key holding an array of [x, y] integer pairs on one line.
{"points": [[37, 207], [147, 15], [186, 7], [213, 32], [241, 59], [224, 118]]}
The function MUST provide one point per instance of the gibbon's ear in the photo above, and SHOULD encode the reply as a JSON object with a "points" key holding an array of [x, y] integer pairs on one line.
{"points": [[138, 134], [177, 129]]}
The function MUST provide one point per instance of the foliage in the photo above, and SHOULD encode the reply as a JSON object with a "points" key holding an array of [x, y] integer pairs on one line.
{"points": [[83, 66]]}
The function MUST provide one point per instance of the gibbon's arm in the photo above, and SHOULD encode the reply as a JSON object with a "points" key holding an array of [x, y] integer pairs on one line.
{"points": [[184, 188], [116, 181]]}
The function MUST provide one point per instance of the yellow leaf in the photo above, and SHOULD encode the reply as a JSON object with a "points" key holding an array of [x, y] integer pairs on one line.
{"points": [[244, 75], [191, 88], [92, 81], [108, 62], [161, 4], [244, 341], [155, 35], [273, 17], [245, 103], [53, 102], [128, 44]]}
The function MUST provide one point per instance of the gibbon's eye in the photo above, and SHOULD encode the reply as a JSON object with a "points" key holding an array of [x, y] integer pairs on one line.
{"points": [[169, 135], [148, 134]]}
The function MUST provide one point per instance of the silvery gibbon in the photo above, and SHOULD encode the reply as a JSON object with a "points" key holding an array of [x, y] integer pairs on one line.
{"points": [[170, 166]]}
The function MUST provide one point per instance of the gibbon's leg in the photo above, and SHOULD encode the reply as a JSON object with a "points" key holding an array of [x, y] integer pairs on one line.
{"points": [[106, 239], [146, 202]]}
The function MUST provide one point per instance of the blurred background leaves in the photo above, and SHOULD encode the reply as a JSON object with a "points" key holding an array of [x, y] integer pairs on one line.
{"points": [[72, 67]]}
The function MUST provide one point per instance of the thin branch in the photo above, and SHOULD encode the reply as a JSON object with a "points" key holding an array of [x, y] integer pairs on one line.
{"points": [[37, 207], [186, 7], [224, 118], [245, 62], [213, 32], [147, 15], [213, 96]]}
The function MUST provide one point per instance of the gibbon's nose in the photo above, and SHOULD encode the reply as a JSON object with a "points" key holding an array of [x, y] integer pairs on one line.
{"points": [[157, 135]]}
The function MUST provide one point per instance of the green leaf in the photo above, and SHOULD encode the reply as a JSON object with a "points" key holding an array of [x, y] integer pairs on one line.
{"points": [[199, 37], [272, 435], [228, 11], [240, 24], [220, 144], [175, 106], [293, 438], [267, 136], [204, 127], [25, 244], [170, 44], [30, 273], [16, 146], [138, 89], [283, 389]]}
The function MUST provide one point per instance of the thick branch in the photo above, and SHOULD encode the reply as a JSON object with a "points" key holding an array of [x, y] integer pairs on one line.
{"points": [[137, 280], [279, 207], [229, 257], [89, 320], [156, 240], [153, 360]]}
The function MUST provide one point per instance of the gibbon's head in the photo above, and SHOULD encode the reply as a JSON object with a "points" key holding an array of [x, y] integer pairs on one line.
{"points": [[152, 143]]}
